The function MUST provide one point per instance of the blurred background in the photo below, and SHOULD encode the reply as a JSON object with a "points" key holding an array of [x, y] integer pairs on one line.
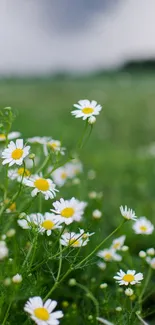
{"points": [[55, 52]]}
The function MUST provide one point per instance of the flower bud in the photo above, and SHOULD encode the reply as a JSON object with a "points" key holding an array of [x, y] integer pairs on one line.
{"points": [[129, 292], [92, 120], [17, 278]]}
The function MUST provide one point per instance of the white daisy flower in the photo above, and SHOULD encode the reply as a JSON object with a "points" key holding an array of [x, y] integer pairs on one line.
{"points": [[40, 140], [69, 210], [86, 108], [73, 239], [152, 263], [11, 136], [128, 278], [44, 223], [85, 235], [41, 185], [74, 168], [15, 153], [109, 255], [118, 243], [42, 313], [60, 176], [18, 173], [151, 251], [127, 213], [3, 250], [143, 226], [55, 146]]}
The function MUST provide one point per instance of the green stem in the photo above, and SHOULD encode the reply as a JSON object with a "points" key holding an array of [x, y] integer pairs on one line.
{"points": [[80, 142], [7, 313], [45, 162], [34, 247], [145, 285], [91, 296]]}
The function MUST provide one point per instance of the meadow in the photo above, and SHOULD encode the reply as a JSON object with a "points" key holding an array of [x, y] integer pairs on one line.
{"points": [[118, 162]]}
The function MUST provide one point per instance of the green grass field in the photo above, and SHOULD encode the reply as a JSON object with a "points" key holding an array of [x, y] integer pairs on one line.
{"points": [[124, 128]]}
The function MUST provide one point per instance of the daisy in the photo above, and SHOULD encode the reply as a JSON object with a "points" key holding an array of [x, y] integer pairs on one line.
{"points": [[18, 173], [41, 185], [44, 223], [127, 213], [118, 243], [74, 168], [60, 176], [11, 135], [73, 239], [15, 153], [109, 255], [55, 146], [101, 265], [86, 108], [69, 210], [152, 263], [143, 226], [42, 313], [40, 140], [3, 250], [128, 278]]}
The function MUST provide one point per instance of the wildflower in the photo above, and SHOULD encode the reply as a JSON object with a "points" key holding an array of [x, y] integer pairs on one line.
{"points": [[60, 176], [74, 168], [41, 185], [101, 265], [125, 248], [103, 285], [152, 263], [69, 210], [73, 239], [17, 278], [86, 108], [11, 207], [150, 251], [109, 255], [49, 222], [11, 136], [143, 226], [118, 243], [142, 254], [97, 214], [128, 278], [85, 235], [15, 153], [40, 140], [127, 213], [129, 292], [18, 173], [92, 120], [42, 313], [3, 250], [55, 146]]}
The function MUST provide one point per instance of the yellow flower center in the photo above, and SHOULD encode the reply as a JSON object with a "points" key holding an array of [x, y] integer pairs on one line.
{"points": [[63, 175], [2, 136], [87, 110], [53, 145], [12, 207], [128, 278], [48, 224], [74, 242], [41, 184], [67, 212], [41, 313], [17, 154], [22, 172], [116, 245], [143, 228], [108, 256]]}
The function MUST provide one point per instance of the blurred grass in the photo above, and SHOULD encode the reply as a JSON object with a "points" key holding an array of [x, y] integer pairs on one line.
{"points": [[127, 122]]}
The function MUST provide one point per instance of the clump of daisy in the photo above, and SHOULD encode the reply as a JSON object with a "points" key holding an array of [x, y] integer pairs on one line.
{"points": [[127, 213], [15, 153], [69, 210], [41, 185], [75, 239], [86, 109], [109, 255], [143, 226], [42, 313], [130, 277], [11, 136], [44, 223]]}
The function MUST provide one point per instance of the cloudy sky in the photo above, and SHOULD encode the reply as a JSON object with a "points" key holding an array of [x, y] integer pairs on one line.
{"points": [[40, 36]]}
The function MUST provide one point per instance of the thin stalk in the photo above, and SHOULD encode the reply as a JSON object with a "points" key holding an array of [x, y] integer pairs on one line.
{"points": [[91, 296], [145, 285]]}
